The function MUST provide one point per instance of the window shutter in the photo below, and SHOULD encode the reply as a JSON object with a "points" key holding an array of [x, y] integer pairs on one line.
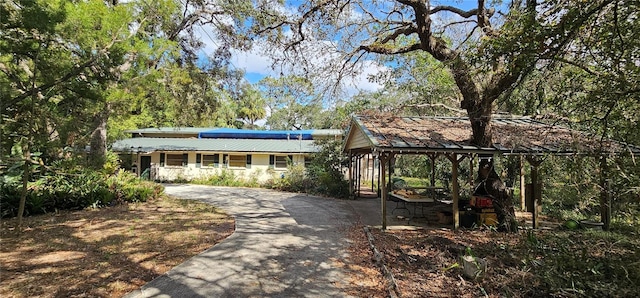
{"points": [[185, 159], [162, 159], [198, 160], [225, 160], [272, 161], [248, 161]]}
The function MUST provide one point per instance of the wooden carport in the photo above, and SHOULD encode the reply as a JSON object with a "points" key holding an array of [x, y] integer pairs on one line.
{"points": [[384, 136]]}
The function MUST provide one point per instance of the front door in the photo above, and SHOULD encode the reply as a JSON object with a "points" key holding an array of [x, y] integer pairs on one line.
{"points": [[145, 167]]}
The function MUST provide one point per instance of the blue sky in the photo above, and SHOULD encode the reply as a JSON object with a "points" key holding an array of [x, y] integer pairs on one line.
{"points": [[258, 66]]}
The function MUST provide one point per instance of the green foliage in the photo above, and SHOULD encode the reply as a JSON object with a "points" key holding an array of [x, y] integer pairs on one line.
{"points": [[73, 191], [588, 264], [326, 170], [251, 106], [226, 177], [293, 180], [323, 175]]}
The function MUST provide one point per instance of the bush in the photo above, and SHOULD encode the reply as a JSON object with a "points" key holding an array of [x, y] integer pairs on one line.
{"points": [[294, 180], [323, 176], [127, 187], [74, 191], [228, 178]]}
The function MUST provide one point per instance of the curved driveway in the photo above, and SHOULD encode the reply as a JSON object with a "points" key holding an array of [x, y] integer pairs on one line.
{"points": [[285, 245]]}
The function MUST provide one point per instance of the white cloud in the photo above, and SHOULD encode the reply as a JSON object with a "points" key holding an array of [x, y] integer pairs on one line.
{"points": [[361, 82], [322, 59], [252, 61]]}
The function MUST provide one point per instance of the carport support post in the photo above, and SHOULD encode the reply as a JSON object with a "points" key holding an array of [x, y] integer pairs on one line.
{"points": [[523, 203], [358, 173], [433, 169], [535, 163], [351, 191], [455, 162], [384, 158]]}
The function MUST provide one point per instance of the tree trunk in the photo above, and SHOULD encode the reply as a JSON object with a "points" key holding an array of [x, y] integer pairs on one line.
{"points": [[502, 200], [479, 109], [98, 149]]}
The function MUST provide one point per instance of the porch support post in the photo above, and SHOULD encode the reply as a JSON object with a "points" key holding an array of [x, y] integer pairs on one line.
{"points": [[351, 191], [455, 162], [535, 163], [380, 171], [433, 169], [384, 159], [523, 203], [358, 173], [373, 171], [472, 157]]}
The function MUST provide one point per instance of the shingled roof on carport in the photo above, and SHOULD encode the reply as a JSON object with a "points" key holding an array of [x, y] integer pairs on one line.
{"points": [[511, 135], [385, 135]]}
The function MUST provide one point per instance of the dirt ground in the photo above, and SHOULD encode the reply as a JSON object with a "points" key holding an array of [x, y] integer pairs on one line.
{"points": [[544, 263], [110, 252], [106, 252]]}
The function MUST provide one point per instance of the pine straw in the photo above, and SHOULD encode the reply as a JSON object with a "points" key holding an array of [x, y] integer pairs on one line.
{"points": [[106, 252]]}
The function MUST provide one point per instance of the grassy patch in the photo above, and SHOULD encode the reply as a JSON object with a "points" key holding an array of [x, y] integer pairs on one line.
{"points": [[105, 252]]}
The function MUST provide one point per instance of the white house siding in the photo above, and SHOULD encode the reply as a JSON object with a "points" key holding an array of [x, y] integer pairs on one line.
{"points": [[260, 168]]}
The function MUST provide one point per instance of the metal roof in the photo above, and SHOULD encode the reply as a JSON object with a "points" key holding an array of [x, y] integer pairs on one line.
{"points": [[511, 135], [214, 145], [234, 133], [171, 130]]}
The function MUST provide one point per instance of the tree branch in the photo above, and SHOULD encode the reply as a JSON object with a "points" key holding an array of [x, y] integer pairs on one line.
{"points": [[381, 49]]}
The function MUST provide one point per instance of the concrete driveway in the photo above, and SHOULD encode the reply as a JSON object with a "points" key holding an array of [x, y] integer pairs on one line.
{"points": [[285, 245]]}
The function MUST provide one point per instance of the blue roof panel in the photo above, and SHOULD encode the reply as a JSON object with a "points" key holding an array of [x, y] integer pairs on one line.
{"points": [[233, 133]]}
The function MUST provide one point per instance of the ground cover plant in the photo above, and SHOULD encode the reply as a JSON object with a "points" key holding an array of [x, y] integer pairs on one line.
{"points": [[544, 263], [105, 252]]}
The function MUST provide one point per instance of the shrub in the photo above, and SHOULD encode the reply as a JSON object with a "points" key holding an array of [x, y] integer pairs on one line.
{"points": [[294, 180], [227, 177], [323, 176], [74, 191]]}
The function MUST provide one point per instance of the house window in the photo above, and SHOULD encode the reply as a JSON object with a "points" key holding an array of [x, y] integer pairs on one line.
{"points": [[237, 161], [175, 160], [307, 161], [211, 160], [281, 162]]}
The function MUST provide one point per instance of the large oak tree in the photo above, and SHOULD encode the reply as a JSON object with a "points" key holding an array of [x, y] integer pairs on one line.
{"points": [[488, 50]]}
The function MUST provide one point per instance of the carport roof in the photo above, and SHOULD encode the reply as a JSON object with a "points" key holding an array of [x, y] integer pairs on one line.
{"points": [[511, 135]]}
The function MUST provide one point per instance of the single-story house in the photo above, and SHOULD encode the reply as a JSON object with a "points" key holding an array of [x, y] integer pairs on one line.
{"points": [[177, 153]]}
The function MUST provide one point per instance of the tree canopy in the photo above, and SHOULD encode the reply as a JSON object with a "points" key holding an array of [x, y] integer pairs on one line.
{"points": [[490, 48]]}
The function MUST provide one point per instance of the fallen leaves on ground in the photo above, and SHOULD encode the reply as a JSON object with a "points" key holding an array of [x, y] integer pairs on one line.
{"points": [[105, 252]]}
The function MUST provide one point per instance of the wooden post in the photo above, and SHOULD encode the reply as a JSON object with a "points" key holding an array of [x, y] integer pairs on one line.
{"points": [[380, 171], [373, 173], [383, 186], [433, 169], [535, 163], [471, 184], [523, 203], [455, 162], [358, 173], [351, 191]]}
